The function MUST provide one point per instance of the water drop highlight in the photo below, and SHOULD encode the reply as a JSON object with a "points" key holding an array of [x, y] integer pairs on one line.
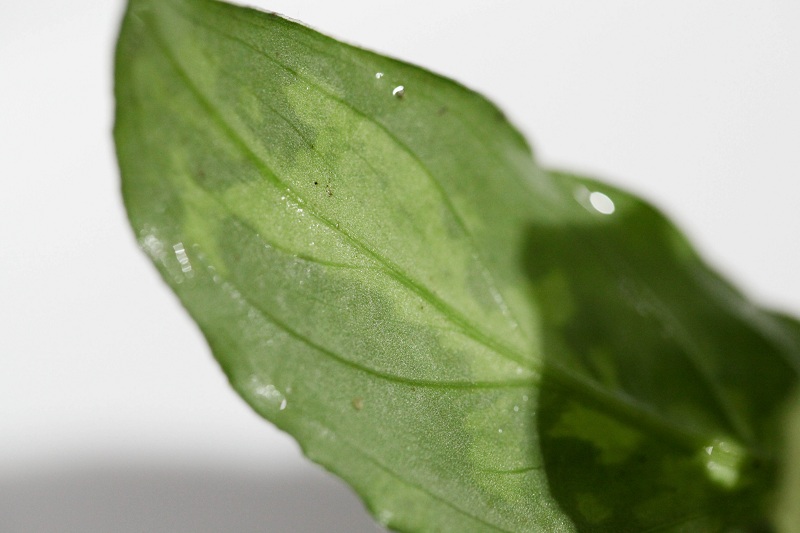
{"points": [[723, 460], [594, 201], [602, 203], [271, 394], [183, 259]]}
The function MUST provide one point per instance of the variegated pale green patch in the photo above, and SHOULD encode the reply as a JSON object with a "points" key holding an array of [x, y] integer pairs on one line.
{"points": [[472, 342]]}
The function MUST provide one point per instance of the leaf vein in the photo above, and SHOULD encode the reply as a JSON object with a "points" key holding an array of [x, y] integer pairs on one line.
{"points": [[469, 329]]}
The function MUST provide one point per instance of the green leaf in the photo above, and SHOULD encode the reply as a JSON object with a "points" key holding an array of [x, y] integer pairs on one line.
{"points": [[473, 342], [787, 513]]}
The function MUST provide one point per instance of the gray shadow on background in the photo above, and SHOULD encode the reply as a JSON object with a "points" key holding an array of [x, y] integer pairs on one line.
{"points": [[153, 499]]}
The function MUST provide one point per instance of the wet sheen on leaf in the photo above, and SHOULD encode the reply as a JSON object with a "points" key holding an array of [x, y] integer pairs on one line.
{"points": [[381, 268]]}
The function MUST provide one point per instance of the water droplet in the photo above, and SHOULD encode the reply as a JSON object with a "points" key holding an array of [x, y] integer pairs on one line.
{"points": [[216, 278], [524, 397], [516, 408], [384, 517], [153, 247], [723, 460], [602, 203], [499, 430], [271, 394], [399, 91], [378, 75], [594, 201], [183, 259]]}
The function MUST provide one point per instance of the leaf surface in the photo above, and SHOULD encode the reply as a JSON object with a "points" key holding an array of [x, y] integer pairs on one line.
{"points": [[381, 268]]}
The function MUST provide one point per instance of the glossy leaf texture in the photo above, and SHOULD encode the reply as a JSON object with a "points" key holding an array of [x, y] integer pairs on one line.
{"points": [[473, 342]]}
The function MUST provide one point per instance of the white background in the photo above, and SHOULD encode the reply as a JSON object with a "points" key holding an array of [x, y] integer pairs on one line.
{"points": [[112, 410]]}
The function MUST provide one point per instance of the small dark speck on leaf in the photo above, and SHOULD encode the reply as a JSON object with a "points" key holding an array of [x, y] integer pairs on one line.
{"points": [[316, 183], [329, 190], [358, 403], [442, 110]]}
